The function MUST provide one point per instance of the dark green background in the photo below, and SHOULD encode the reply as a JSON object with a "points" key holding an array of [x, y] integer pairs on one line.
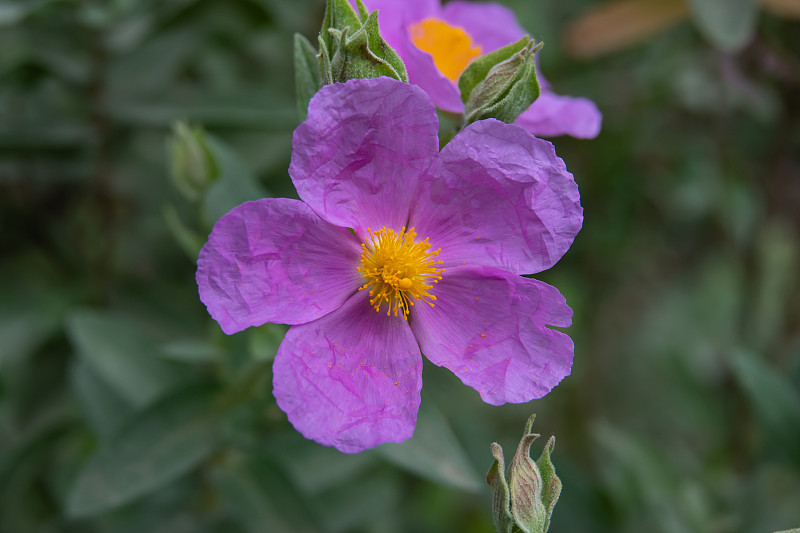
{"points": [[123, 408]]}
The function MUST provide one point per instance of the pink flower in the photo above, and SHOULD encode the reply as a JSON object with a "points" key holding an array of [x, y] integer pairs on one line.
{"points": [[436, 43], [398, 248]]}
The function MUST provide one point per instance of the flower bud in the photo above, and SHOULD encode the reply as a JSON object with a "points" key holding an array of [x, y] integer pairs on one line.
{"points": [[501, 84], [525, 498], [192, 162], [350, 46]]}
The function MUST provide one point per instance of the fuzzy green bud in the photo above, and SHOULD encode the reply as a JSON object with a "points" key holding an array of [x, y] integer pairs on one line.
{"points": [[501, 84], [527, 496], [191, 161], [350, 46]]}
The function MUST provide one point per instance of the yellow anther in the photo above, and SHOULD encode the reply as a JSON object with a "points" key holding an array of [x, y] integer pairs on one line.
{"points": [[398, 269]]}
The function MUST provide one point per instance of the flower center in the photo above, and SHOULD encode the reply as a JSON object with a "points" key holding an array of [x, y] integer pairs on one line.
{"points": [[450, 46], [398, 268]]}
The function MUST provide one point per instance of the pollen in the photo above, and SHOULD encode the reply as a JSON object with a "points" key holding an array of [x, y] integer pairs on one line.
{"points": [[398, 269], [451, 47]]}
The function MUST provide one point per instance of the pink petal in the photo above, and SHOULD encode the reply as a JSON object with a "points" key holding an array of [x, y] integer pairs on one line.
{"points": [[489, 327], [351, 379], [488, 24], [498, 196], [357, 158], [552, 114], [275, 260]]}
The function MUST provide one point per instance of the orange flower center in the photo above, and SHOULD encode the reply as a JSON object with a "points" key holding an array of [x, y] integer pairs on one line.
{"points": [[398, 268], [450, 46]]}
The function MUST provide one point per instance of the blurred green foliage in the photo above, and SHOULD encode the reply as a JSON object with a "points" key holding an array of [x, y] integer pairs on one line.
{"points": [[123, 408]]}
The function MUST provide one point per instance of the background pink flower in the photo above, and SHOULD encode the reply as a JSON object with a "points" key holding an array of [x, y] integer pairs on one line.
{"points": [[453, 32], [495, 203]]}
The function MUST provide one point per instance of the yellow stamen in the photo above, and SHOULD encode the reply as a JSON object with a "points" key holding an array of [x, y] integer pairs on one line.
{"points": [[397, 269], [450, 46]]}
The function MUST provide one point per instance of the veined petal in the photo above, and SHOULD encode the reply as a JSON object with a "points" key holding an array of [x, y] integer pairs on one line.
{"points": [[552, 114], [351, 379], [357, 158], [490, 25], [490, 328], [275, 260], [498, 196]]}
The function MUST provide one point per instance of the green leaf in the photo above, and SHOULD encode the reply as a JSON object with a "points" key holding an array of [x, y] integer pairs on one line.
{"points": [[162, 443], [122, 355], [480, 67], [728, 24], [104, 409], [434, 452], [777, 281], [306, 73], [773, 398], [313, 468], [248, 502]]}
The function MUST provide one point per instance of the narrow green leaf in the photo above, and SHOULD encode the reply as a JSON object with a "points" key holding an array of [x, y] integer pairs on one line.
{"points": [[306, 73], [104, 409], [159, 445], [774, 400]]}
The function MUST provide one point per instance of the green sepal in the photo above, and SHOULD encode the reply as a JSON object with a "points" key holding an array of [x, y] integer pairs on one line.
{"points": [[339, 14], [351, 46], [477, 70], [525, 486], [551, 484], [501, 501], [306, 73], [362, 10], [508, 89], [324, 60], [365, 54]]}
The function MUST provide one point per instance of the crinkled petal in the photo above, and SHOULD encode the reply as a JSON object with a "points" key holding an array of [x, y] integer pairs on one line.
{"points": [[488, 24], [357, 158], [552, 114], [275, 260], [498, 196], [490, 328], [351, 379]]}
